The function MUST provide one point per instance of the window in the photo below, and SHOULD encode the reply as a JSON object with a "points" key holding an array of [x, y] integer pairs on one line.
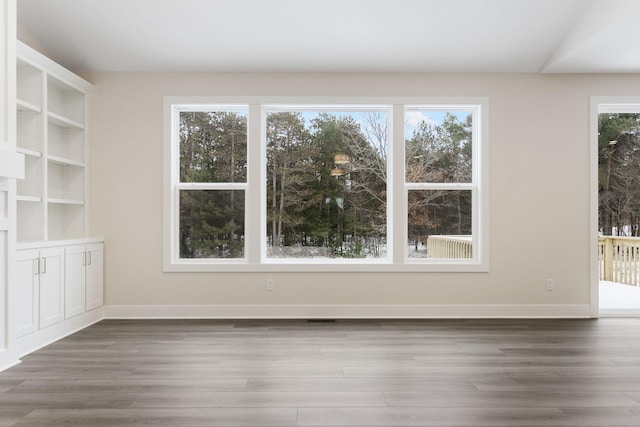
{"points": [[383, 185], [211, 151], [326, 183], [440, 182]]}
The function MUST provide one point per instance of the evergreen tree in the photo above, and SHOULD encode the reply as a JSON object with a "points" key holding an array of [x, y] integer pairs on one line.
{"points": [[619, 173], [290, 176], [213, 148]]}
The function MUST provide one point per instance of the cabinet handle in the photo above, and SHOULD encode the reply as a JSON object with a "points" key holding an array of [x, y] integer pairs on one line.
{"points": [[84, 258], [44, 265], [36, 266], [89, 252]]}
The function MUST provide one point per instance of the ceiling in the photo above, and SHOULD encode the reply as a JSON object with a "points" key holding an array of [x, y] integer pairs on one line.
{"points": [[523, 36]]}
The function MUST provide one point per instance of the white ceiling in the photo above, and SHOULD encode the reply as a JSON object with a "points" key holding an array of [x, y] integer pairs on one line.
{"points": [[529, 36]]}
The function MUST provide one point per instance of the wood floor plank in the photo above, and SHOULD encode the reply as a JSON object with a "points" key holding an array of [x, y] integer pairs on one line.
{"points": [[9, 416], [139, 385], [8, 384], [522, 361], [511, 399], [432, 417], [454, 373], [557, 383], [207, 417], [242, 372], [604, 417], [258, 399], [320, 361], [359, 384]]}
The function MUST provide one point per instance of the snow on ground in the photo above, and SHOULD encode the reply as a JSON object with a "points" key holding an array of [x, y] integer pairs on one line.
{"points": [[616, 296]]}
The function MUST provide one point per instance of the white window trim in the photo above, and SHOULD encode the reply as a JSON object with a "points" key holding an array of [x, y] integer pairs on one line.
{"points": [[599, 105], [314, 107], [255, 196]]}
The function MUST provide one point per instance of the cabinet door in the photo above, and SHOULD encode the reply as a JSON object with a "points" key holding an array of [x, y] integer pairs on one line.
{"points": [[24, 299], [95, 276], [51, 286], [74, 295]]}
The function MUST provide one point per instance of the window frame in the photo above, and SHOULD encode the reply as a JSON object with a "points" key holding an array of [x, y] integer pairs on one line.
{"points": [[329, 108], [177, 185], [255, 259], [473, 185]]}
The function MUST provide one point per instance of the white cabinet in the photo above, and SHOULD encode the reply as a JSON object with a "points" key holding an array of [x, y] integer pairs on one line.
{"points": [[39, 292], [84, 278], [74, 287], [56, 283], [94, 276], [51, 113], [51, 295], [25, 294]]}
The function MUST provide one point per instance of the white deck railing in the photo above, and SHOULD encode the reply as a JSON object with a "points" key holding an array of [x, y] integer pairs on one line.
{"points": [[619, 259], [449, 247]]}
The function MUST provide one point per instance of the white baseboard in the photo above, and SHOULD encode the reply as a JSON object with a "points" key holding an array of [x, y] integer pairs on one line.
{"points": [[346, 311], [36, 340], [8, 358]]}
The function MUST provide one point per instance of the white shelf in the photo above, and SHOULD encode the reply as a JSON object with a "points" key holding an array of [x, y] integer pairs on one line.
{"points": [[32, 199], [65, 201], [63, 122], [65, 162], [27, 106], [28, 152], [51, 114]]}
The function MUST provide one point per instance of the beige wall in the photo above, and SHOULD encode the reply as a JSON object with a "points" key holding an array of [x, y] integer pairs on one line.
{"points": [[539, 190]]}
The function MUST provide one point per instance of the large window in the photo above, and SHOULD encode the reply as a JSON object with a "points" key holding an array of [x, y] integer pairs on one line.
{"points": [[385, 185], [326, 184]]}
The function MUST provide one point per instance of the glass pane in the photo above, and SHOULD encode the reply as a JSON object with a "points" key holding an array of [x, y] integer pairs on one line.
{"points": [[619, 174], [211, 224], [213, 146], [326, 184], [438, 146], [440, 224]]}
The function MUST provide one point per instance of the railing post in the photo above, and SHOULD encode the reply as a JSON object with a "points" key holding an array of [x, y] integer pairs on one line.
{"points": [[608, 259]]}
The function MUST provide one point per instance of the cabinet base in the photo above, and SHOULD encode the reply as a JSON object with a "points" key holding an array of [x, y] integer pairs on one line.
{"points": [[42, 338]]}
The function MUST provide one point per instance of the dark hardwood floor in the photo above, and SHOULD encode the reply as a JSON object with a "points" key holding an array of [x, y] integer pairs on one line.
{"points": [[348, 373]]}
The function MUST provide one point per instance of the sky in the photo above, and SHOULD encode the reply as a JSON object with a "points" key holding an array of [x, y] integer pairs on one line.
{"points": [[413, 117]]}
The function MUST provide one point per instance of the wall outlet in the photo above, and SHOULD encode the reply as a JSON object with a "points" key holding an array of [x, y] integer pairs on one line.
{"points": [[550, 285], [269, 284]]}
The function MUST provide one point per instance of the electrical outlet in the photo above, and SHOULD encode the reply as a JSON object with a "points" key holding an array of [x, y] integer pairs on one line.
{"points": [[550, 285], [269, 284]]}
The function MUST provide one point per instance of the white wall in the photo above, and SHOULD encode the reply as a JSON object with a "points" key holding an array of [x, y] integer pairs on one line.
{"points": [[539, 193]]}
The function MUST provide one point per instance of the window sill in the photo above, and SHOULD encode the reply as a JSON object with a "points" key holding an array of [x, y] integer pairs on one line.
{"points": [[307, 267]]}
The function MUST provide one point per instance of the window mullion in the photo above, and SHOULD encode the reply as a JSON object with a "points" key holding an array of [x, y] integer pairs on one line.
{"points": [[397, 218], [253, 221], [211, 186], [439, 186]]}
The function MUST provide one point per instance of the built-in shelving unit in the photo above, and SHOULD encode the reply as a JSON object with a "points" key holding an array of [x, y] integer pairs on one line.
{"points": [[59, 269], [51, 111]]}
